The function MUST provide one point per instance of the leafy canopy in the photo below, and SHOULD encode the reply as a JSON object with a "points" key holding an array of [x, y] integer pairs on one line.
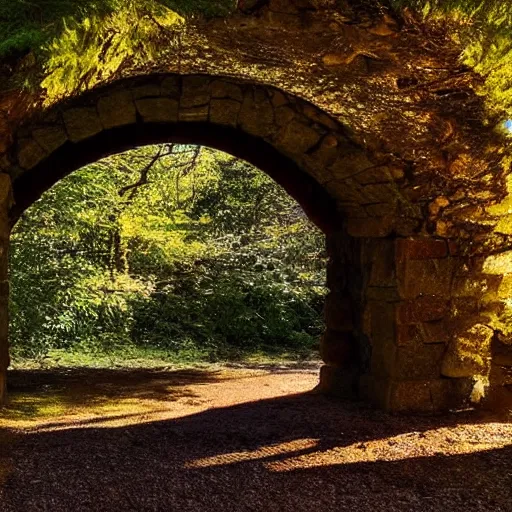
{"points": [[173, 248], [28, 26], [483, 28]]}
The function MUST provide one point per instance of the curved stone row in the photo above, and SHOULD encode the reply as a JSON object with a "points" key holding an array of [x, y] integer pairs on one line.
{"points": [[368, 191]]}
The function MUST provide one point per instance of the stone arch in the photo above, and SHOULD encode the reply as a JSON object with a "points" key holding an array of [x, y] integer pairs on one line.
{"points": [[386, 333]]}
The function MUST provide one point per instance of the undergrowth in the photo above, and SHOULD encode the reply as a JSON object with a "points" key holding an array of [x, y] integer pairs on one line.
{"points": [[28, 26], [483, 29]]}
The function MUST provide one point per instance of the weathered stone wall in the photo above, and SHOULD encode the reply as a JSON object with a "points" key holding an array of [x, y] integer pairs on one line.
{"points": [[416, 320], [366, 188]]}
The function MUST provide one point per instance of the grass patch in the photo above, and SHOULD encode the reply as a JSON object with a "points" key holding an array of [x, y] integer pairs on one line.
{"points": [[137, 357]]}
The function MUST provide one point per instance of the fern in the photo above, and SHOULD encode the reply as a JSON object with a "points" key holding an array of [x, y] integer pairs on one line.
{"points": [[98, 48]]}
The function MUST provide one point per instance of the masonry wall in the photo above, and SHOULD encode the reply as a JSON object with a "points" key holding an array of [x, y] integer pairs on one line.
{"points": [[424, 321], [417, 321]]}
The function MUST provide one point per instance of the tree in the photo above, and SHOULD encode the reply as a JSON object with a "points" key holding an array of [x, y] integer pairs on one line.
{"points": [[175, 247]]}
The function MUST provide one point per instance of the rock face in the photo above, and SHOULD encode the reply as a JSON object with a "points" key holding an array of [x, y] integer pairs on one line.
{"points": [[419, 309]]}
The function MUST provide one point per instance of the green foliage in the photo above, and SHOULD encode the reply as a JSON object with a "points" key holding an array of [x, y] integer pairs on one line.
{"points": [[173, 248], [483, 28], [99, 47], [28, 26]]}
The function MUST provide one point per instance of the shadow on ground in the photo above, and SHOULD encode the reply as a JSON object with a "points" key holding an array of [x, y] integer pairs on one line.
{"points": [[302, 452]]}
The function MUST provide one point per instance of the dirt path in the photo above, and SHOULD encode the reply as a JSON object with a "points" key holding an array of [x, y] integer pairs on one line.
{"points": [[235, 440]]}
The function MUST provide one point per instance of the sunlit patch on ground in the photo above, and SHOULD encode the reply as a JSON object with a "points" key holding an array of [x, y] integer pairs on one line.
{"points": [[224, 439], [308, 453]]}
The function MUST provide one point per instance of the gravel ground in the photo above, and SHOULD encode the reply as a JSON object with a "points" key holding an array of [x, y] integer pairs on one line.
{"points": [[236, 440]]}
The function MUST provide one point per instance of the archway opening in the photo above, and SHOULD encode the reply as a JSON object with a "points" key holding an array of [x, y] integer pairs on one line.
{"points": [[171, 252], [351, 197]]}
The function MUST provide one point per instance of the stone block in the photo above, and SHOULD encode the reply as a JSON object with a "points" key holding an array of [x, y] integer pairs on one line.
{"points": [[151, 90], [407, 226], [336, 275], [351, 160], [425, 277], [382, 263], [498, 264], [257, 114], [338, 382], [319, 172], [418, 362], [337, 348], [195, 91], [171, 87], [117, 109], [338, 312], [409, 397], [505, 287], [380, 193], [469, 353], [157, 110], [325, 154], [383, 358], [374, 390], [346, 191], [317, 116], [224, 112], [279, 99], [381, 209], [450, 394], [349, 210], [462, 306], [222, 89], [382, 322], [401, 397], [478, 286], [82, 123], [284, 115], [420, 249], [418, 334], [195, 114], [382, 294], [422, 309], [297, 138], [374, 227], [50, 138], [379, 174], [30, 153]]}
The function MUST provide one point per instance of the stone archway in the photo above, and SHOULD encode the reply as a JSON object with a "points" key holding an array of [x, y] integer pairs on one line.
{"points": [[389, 322]]}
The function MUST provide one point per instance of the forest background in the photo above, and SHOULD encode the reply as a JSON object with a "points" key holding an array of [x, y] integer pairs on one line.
{"points": [[175, 253]]}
